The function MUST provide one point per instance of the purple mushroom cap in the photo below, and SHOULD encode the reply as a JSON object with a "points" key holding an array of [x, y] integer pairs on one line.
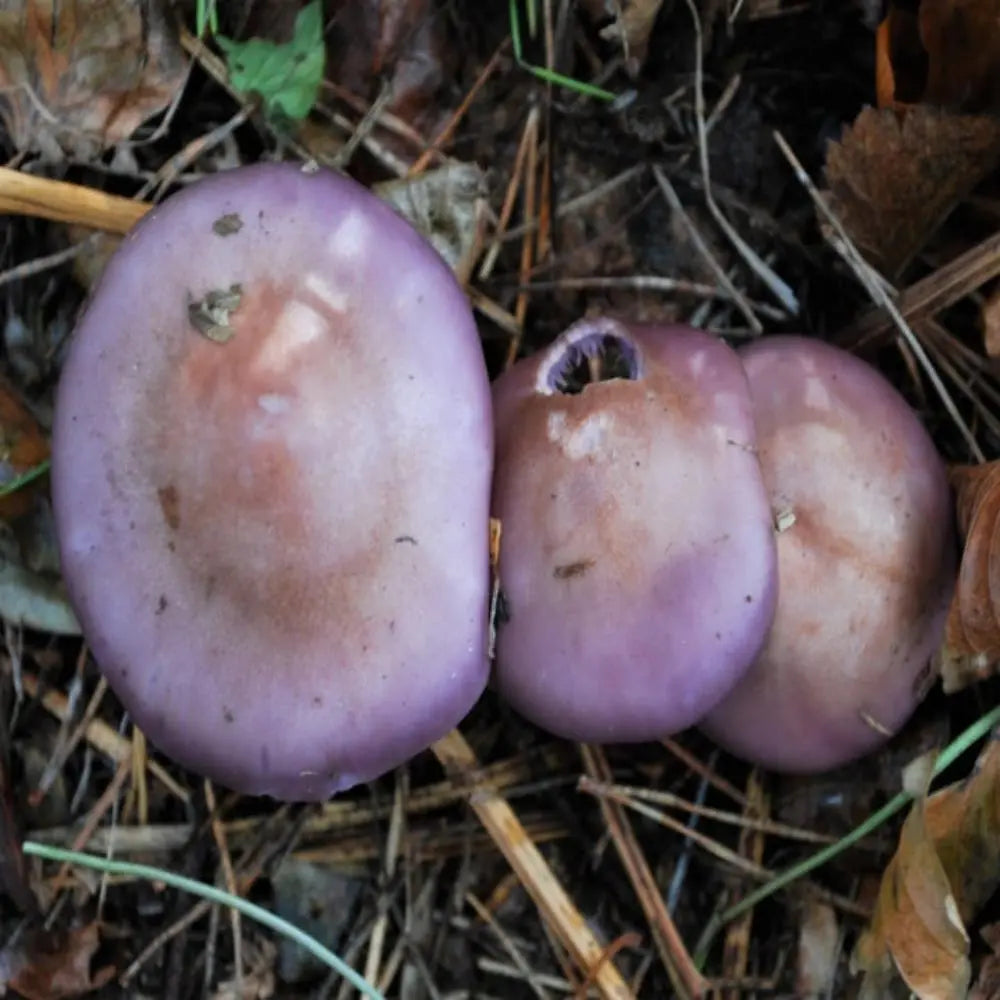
{"points": [[865, 561], [637, 560], [271, 468]]}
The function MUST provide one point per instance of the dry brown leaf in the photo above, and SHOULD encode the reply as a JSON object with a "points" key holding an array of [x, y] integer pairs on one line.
{"points": [[79, 75], [818, 950], [987, 986], [916, 929], [23, 445], [633, 22], [971, 647], [946, 867], [944, 52], [53, 964], [962, 40], [989, 317], [894, 178]]}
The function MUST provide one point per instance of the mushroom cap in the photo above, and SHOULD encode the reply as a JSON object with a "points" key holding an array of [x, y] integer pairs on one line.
{"points": [[865, 561], [637, 560], [271, 462]]}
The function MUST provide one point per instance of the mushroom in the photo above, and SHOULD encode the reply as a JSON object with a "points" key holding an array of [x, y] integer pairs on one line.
{"points": [[271, 464], [638, 563], [865, 561]]}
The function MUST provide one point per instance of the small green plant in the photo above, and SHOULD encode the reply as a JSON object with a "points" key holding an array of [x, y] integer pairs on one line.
{"points": [[287, 77], [548, 75]]}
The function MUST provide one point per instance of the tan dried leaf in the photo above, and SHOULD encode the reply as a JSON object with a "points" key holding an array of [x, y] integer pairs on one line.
{"points": [[989, 316], [893, 178], [971, 647], [945, 869], [962, 42], [987, 985], [447, 205], [79, 75], [818, 951], [54, 964], [632, 26]]}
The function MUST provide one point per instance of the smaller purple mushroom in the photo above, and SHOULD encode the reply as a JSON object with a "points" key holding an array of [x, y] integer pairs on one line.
{"points": [[271, 469], [638, 561], [866, 561]]}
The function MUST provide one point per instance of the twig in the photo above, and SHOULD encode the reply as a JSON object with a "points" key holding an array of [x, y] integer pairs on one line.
{"points": [[229, 878], [98, 733], [686, 979], [557, 909], [778, 288], [674, 201], [875, 287], [453, 122]]}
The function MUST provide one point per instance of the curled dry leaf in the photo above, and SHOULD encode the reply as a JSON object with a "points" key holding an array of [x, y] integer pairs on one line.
{"points": [[944, 52], [54, 964], [818, 951], [987, 986], [632, 25], [946, 867], [23, 446], [447, 205], [989, 317], [79, 75], [971, 647], [894, 178]]}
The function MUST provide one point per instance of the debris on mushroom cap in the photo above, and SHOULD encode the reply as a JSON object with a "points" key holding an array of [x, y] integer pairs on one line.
{"points": [[271, 463], [638, 563], [864, 573]]}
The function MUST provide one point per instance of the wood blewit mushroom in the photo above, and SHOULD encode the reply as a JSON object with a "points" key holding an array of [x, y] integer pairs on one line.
{"points": [[866, 561], [638, 560], [271, 469]]}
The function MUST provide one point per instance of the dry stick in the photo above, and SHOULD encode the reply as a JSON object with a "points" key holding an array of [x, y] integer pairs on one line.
{"points": [[527, 243], [229, 877], [37, 265], [651, 283], [778, 288], [931, 294], [60, 201], [386, 119], [507, 208], [528, 975], [874, 284], [686, 979], [98, 733], [364, 128], [376, 943], [96, 814], [455, 120], [556, 907], [54, 766], [690, 760], [674, 201], [580, 202], [737, 945], [661, 798], [730, 857]]}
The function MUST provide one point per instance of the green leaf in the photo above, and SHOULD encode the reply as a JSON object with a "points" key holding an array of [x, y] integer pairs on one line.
{"points": [[287, 76]]}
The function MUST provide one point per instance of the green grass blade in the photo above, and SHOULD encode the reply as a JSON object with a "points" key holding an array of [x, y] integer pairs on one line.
{"points": [[214, 895]]}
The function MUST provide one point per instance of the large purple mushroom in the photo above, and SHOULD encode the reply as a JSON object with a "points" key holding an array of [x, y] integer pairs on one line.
{"points": [[865, 561], [638, 560], [271, 466]]}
